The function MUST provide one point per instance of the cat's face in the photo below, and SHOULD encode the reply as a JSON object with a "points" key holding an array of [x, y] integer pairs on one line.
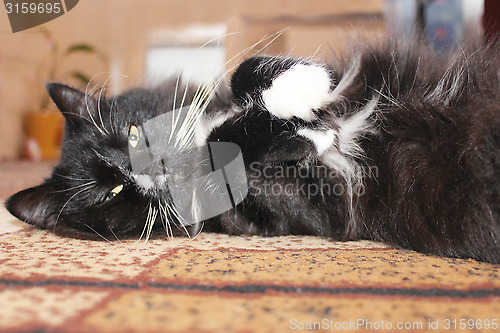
{"points": [[95, 188]]}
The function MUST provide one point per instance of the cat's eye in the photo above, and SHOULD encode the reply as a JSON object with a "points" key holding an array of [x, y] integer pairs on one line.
{"points": [[114, 192], [133, 136]]}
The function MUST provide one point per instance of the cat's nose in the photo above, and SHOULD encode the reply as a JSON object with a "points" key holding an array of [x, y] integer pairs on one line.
{"points": [[157, 167]]}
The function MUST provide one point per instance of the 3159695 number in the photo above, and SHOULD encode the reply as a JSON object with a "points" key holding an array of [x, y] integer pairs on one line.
{"points": [[32, 8], [471, 324]]}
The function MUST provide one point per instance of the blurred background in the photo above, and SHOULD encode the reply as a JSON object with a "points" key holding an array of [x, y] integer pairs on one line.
{"points": [[118, 44]]}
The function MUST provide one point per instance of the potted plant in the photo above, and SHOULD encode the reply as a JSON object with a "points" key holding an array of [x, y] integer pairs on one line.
{"points": [[43, 127]]}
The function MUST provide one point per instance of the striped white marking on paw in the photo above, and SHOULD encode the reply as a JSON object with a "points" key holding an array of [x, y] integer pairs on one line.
{"points": [[352, 128], [322, 140], [339, 148], [298, 91]]}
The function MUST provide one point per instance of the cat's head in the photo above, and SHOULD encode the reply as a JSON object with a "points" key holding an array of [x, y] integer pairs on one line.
{"points": [[96, 188]]}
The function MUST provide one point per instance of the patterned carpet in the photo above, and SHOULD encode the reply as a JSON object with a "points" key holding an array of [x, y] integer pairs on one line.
{"points": [[217, 283]]}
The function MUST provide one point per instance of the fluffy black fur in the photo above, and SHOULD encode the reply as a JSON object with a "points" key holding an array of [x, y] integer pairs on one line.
{"points": [[426, 165]]}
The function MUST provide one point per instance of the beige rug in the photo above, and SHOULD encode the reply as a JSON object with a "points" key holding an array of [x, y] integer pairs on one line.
{"points": [[218, 283]]}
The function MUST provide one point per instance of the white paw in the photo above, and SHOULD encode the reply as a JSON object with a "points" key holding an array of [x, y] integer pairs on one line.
{"points": [[298, 91], [339, 147], [322, 140]]}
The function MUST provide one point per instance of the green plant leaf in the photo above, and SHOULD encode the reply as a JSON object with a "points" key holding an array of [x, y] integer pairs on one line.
{"points": [[80, 48], [84, 47], [81, 77]]}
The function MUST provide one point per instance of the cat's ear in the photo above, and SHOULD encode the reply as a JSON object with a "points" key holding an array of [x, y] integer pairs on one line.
{"points": [[36, 205], [71, 102]]}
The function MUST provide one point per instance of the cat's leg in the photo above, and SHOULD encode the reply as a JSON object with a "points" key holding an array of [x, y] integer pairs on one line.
{"points": [[307, 95], [285, 87], [286, 96]]}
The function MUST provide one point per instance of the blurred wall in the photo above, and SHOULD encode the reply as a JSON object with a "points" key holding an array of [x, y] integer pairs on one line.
{"points": [[123, 29]]}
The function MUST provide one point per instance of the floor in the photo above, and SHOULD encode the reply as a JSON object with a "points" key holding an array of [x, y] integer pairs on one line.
{"points": [[218, 283]]}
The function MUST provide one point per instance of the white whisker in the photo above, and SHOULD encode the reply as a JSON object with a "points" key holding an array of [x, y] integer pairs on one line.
{"points": [[66, 203], [165, 220], [88, 108], [219, 37], [99, 105], [98, 234], [72, 178], [198, 106], [145, 222], [176, 119], [150, 224], [111, 229], [75, 187], [179, 218], [173, 108], [195, 236]]}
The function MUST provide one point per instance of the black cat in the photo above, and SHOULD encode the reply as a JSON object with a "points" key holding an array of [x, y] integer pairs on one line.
{"points": [[393, 145]]}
